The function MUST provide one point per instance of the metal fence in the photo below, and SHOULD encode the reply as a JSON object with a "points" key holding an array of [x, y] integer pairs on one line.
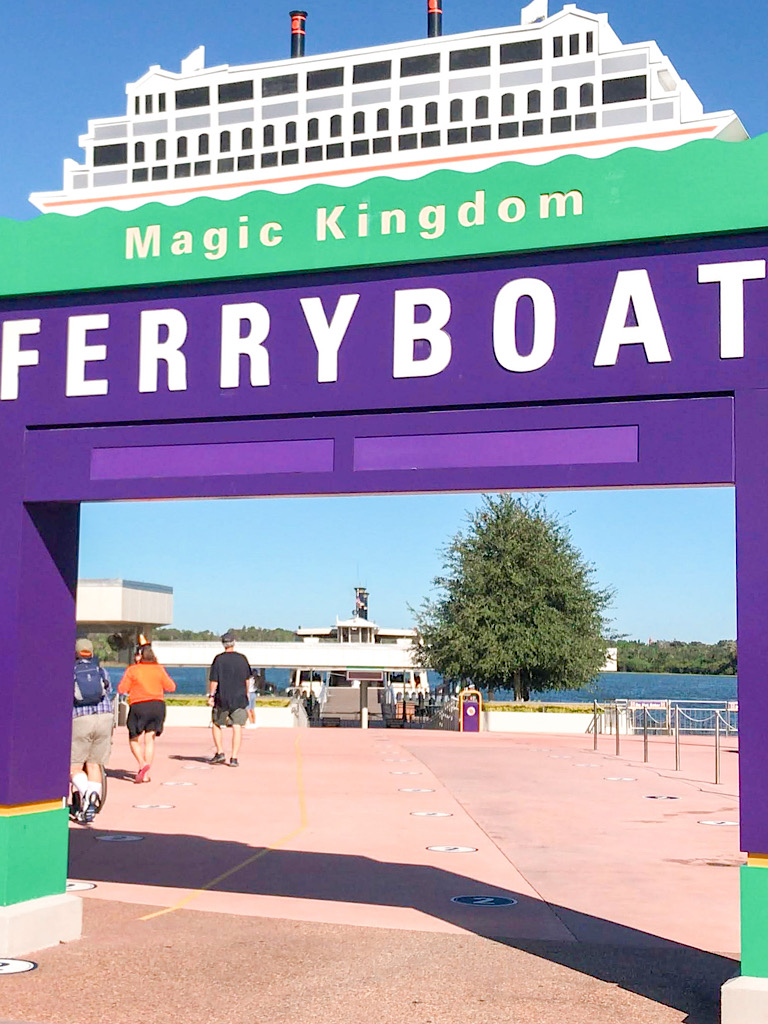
{"points": [[673, 718]]}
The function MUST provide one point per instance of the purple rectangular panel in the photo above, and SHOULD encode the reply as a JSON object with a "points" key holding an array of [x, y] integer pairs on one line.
{"points": [[200, 460], [579, 447]]}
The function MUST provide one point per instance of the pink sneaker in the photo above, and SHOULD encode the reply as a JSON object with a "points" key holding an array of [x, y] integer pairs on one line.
{"points": [[141, 774]]}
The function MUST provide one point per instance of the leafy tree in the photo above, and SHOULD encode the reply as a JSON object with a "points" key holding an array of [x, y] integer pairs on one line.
{"points": [[518, 607]]}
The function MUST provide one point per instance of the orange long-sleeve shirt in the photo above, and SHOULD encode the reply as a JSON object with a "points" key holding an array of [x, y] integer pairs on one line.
{"points": [[146, 681]]}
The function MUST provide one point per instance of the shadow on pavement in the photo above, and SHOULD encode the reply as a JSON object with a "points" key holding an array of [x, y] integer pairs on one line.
{"points": [[670, 973]]}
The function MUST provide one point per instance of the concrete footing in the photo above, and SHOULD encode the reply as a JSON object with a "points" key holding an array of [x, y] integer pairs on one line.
{"points": [[744, 1001], [37, 924]]}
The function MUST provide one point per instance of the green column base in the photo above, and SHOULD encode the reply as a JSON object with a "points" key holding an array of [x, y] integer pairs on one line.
{"points": [[33, 855]]}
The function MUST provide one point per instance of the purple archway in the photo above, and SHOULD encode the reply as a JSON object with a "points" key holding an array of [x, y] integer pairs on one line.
{"points": [[620, 368]]}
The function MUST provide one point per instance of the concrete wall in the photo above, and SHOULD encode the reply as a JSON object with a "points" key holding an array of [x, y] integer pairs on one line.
{"points": [[535, 721]]}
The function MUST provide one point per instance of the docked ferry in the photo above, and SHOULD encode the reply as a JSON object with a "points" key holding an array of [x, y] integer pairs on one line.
{"points": [[352, 653], [531, 92]]}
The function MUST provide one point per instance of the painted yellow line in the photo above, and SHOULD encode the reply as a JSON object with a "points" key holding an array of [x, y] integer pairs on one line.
{"points": [[256, 856], [44, 805]]}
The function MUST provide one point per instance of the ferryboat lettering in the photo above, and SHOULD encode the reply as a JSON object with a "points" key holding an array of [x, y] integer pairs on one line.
{"points": [[423, 332]]}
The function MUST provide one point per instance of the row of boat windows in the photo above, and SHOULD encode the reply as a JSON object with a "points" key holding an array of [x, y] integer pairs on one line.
{"points": [[182, 147], [116, 154], [365, 147], [375, 71]]}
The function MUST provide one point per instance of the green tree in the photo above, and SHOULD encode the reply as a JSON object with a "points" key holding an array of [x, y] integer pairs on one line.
{"points": [[517, 604]]}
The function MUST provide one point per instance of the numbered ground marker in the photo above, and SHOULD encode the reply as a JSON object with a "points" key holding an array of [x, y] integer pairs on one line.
{"points": [[453, 849], [153, 807], [119, 837], [485, 901], [80, 886], [619, 778], [198, 767], [661, 797], [179, 783], [416, 791], [431, 814], [718, 823], [405, 773], [16, 966]]}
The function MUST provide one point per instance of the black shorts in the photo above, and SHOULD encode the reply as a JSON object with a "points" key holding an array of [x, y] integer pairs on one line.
{"points": [[146, 716]]}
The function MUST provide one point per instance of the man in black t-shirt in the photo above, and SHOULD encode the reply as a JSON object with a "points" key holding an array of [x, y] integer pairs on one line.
{"points": [[228, 696]]}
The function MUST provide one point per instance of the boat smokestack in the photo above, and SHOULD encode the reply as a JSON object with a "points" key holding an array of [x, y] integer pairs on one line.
{"points": [[361, 602], [434, 18], [298, 32]]}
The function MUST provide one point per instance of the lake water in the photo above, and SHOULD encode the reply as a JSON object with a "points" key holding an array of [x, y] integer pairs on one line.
{"points": [[607, 686]]}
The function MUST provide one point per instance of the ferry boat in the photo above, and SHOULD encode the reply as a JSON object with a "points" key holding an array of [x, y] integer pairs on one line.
{"points": [[348, 654], [549, 86], [356, 651]]}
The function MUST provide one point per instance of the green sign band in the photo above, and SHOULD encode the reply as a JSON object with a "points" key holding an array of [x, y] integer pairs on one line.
{"points": [[635, 194]]}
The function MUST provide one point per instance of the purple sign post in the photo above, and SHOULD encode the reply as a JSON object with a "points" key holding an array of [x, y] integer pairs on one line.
{"points": [[645, 368]]}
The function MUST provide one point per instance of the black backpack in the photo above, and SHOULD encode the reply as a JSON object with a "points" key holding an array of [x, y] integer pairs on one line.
{"points": [[89, 684]]}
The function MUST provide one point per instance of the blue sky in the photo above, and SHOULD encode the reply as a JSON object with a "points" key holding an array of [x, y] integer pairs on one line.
{"points": [[668, 554]]}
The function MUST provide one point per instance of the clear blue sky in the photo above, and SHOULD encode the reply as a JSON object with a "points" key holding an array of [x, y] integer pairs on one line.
{"points": [[669, 554]]}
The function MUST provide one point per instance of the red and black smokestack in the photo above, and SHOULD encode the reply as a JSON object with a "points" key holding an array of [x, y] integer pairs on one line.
{"points": [[298, 32], [434, 18]]}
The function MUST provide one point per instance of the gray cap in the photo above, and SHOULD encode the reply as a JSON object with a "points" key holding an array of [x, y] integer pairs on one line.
{"points": [[228, 640], [83, 646]]}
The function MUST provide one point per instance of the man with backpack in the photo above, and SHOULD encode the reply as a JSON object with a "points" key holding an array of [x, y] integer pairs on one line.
{"points": [[93, 720]]}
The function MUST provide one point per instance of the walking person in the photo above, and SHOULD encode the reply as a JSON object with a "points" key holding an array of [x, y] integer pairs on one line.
{"points": [[93, 720], [252, 694], [146, 684], [228, 697]]}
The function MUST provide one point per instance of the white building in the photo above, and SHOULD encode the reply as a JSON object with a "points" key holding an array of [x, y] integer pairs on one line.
{"points": [[122, 606], [531, 92]]}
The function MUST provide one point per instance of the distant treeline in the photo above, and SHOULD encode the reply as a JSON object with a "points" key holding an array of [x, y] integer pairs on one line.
{"points": [[250, 633], [676, 656]]}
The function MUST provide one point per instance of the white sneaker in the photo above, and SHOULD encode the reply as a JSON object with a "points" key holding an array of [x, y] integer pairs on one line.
{"points": [[91, 808]]}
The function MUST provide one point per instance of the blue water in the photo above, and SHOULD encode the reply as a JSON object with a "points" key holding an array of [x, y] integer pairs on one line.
{"points": [[648, 686], [607, 686]]}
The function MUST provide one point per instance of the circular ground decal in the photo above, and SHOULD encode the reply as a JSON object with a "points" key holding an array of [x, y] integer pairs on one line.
{"points": [[485, 901], [619, 778], [198, 767], [16, 966], [405, 773], [661, 797], [119, 837], [80, 886], [396, 760], [583, 764], [178, 783], [154, 807], [416, 791], [718, 823], [453, 849], [431, 814]]}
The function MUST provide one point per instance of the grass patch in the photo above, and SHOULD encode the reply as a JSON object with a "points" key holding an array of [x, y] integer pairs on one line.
{"points": [[198, 701], [532, 708]]}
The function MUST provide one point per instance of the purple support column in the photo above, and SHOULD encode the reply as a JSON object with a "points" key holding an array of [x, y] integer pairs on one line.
{"points": [[751, 431], [38, 577]]}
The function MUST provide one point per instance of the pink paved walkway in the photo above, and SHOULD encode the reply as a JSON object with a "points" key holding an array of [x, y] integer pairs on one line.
{"points": [[316, 828]]}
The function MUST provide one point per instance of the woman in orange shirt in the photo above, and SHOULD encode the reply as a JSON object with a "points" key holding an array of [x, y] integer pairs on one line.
{"points": [[146, 683]]}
